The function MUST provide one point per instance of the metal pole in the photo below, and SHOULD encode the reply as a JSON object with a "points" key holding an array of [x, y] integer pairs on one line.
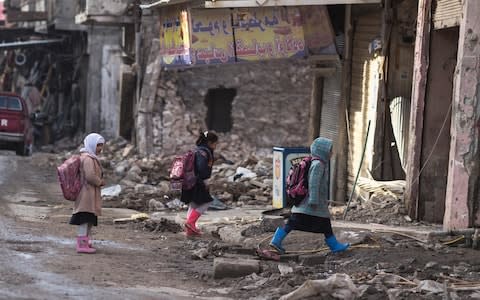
{"points": [[358, 171]]}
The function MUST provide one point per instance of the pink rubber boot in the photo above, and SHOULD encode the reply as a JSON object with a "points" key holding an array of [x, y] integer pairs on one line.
{"points": [[190, 227], [82, 245]]}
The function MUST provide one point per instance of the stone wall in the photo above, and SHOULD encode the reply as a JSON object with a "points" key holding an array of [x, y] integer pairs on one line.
{"points": [[271, 106]]}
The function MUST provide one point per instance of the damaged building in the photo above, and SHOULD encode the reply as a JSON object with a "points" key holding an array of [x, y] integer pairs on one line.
{"points": [[393, 83]]}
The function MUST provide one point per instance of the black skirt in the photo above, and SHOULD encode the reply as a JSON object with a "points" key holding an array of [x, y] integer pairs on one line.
{"points": [[309, 223], [84, 217], [198, 194]]}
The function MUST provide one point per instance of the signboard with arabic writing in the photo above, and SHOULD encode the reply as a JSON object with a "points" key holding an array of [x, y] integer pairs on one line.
{"points": [[268, 32], [318, 32], [174, 37], [212, 36]]}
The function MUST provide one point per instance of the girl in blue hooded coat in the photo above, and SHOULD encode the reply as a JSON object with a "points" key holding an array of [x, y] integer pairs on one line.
{"points": [[312, 214], [199, 198]]}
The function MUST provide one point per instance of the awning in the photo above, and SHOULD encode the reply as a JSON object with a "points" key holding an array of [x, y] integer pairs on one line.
{"points": [[261, 3], [26, 44]]}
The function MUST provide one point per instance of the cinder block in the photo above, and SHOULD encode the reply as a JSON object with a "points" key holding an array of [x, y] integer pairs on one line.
{"points": [[224, 267]]}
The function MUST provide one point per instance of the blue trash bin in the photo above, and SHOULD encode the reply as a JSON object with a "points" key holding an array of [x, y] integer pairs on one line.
{"points": [[283, 159]]}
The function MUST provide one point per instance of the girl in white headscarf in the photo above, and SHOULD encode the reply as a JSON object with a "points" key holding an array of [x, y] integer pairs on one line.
{"points": [[88, 205]]}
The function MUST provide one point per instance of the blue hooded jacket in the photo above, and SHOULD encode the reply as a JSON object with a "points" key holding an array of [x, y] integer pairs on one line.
{"points": [[316, 203]]}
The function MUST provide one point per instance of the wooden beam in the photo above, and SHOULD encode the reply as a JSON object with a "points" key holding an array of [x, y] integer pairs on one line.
{"points": [[263, 3], [343, 142], [420, 71], [315, 107]]}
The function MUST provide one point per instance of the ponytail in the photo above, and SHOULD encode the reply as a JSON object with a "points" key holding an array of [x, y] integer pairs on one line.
{"points": [[205, 137]]}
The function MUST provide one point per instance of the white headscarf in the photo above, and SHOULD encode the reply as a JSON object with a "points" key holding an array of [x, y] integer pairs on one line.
{"points": [[90, 144]]}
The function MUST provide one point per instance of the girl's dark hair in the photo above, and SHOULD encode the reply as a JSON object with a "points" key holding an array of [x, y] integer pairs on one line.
{"points": [[205, 137]]}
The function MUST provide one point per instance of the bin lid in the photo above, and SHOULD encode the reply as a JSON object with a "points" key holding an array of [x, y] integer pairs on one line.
{"points": [[292, 149]]}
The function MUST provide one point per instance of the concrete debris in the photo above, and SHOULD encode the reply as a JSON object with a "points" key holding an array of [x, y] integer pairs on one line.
{"points": [[338, 286], [201, 253], [430, 286], [161, 225], [225, 267], [285, 269]]}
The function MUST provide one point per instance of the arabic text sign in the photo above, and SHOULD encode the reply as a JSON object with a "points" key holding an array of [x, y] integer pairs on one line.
{"points": [[174, 38], [270, 32], [212, 36]]}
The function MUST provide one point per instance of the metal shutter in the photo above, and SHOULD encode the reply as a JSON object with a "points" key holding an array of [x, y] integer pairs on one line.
{"points": [[364, 94], [446, 13]]}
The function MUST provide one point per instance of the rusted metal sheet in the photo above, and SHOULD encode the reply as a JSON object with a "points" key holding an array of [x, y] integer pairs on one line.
{"points": [[446, 13]]}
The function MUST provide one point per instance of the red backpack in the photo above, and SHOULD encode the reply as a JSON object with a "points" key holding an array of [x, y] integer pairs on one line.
{"points": [[297, 181], [70, 177], [182, 173]]}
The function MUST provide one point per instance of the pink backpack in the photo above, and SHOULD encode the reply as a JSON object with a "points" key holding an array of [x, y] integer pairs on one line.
{"points": [[70, 177], [182, 173], [297, 181]]}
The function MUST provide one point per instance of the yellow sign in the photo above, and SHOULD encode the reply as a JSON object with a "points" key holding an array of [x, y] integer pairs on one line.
{"points": [[174, 38], [319, 34], [269, 32], [212, 36]]}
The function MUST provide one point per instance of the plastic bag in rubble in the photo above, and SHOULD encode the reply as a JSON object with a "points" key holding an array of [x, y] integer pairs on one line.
{"points": [[242, 173], [338, 286], [112, 191]]}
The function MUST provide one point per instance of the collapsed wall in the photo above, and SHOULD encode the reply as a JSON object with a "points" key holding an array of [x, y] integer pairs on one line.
{"points": [[252, 105]]}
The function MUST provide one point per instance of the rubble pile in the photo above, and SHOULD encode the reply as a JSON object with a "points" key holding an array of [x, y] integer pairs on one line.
{"points": [[241, 176], [144, 181], [379, 202], [161, 225]]}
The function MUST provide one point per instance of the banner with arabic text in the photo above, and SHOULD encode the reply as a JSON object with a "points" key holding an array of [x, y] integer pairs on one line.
{"points": [[212, 36], [268, 33], [174, 37]]}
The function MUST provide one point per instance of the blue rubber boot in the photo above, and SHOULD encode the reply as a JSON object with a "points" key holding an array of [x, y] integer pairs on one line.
{"points": [[277, 239], [335, 246]]}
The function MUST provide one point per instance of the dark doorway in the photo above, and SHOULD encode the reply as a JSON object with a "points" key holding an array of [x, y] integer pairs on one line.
{"points": [[219, 113], [436, 124]]}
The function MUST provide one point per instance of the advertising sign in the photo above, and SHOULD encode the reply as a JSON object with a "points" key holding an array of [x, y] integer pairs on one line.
{"points": [[212, 36], [318, 32], [268, 32], [174, 38]]}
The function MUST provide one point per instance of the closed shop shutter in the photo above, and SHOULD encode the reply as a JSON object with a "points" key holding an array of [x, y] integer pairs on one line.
{"points": [[364, 93], [446, 13], [332, 87]]}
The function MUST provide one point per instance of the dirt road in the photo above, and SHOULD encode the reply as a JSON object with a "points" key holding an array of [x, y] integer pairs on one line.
{"points": [[38, 258], [37, 248]]}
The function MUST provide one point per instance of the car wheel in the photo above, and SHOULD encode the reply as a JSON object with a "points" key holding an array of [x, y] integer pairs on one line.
{"points": [[24, 150], [20, 150]]}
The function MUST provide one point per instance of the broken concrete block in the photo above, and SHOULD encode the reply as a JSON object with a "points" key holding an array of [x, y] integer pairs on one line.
{"points": [[231, 235], [128, 150], [223, 267], [271, 223]]}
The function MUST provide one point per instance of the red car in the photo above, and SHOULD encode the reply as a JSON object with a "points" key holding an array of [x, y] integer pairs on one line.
{"points": [[16, 129]]}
